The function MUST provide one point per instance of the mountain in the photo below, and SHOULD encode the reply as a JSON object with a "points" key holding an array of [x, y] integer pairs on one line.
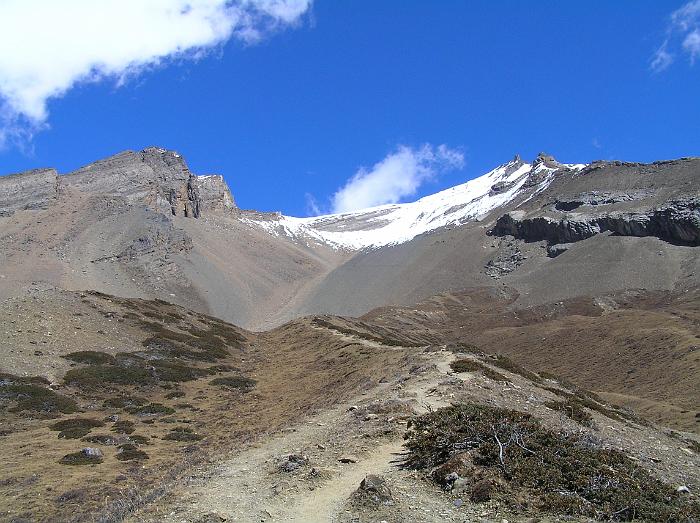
{"points": [[169, 356], [140, 224]]}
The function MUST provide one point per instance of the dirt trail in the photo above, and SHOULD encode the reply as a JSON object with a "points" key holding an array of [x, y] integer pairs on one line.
{"points": [[250, 488], [367, 430], [323, 504]]}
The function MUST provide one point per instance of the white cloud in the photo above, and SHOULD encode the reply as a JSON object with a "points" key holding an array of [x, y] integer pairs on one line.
{"points": [[686, 16], [312, 206], [691, 45], [397, 176], [682, 34], [48, 46]]}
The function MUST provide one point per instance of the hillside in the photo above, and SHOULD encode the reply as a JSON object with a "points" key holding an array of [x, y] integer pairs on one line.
{"points": [[222, 363], [142, 225], [114, 407]]}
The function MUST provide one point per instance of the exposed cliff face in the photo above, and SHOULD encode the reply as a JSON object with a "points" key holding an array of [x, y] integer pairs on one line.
{"points": [[156, 177], [214, 194], [626, 199], [35, 189], [677, 222]]}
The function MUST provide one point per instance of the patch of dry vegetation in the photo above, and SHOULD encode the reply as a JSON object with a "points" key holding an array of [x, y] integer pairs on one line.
{"points": [[235, 382], [578, 398], [520, 459], [75, 428], [374, 333], [32, 394], [506, 363], [467, 365]]}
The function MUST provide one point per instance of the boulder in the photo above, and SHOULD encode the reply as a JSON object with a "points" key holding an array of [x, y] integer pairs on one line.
{"points": [[292, 462], [375, 488]]}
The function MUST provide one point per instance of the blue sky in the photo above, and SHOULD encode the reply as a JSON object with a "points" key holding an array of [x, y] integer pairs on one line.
{"points": [[338, 86]]}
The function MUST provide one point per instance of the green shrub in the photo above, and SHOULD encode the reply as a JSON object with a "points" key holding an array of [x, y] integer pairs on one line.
{"points": [[463, 348], [123, 427], [175, 394], [124, 402], [560, 473], [183, 434], [90, 357], [75, 428], [102, 439], [79, 458], [151, 409], [465, 365], [572, 409], [235, 382], [130, 452], [133, 369], [31, 394]]}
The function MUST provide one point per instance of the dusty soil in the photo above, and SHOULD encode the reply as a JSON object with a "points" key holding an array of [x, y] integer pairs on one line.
{"points": [[250, 486]]}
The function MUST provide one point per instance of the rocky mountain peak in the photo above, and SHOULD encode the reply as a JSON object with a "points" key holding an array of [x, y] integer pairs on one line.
{"points": [[155, 177], [547, 160]]}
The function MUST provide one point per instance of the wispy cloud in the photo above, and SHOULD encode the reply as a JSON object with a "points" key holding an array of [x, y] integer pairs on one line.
{"points": [[661, 59], [397, 176], [312, 206], [691, 45], [682, 37], [47, 47]]}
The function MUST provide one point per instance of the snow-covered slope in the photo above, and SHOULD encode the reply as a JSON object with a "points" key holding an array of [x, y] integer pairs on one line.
{"points": [[398, 223]]}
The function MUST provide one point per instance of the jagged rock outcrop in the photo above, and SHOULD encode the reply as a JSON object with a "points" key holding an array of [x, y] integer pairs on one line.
{"points": [[543, 168], [214, 194], [677, 221], [150, 176], [154, 177], [35, 189], [596, 198]]}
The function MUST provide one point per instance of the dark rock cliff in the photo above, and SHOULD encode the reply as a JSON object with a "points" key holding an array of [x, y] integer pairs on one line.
{"points": [[677, 222], [154, 177]]}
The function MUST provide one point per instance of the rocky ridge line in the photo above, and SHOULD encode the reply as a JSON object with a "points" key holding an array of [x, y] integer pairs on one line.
{"points": [[155, 177], [677, 221]]}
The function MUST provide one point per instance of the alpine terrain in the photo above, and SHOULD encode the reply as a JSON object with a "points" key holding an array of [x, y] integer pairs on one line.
{"points": [[524, 346]]}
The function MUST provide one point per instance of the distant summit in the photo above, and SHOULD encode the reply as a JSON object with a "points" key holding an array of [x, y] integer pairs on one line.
{"points": [[156, 177]]}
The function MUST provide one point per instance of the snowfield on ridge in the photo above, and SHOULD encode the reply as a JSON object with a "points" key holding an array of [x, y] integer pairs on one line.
{"points": [[397, 223]]}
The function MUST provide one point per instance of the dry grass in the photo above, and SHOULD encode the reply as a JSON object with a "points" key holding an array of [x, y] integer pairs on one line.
{"points": [[559, 473]]}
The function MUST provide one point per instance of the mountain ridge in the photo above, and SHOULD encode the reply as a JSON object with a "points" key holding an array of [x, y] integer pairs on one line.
{"points": [[125, 225]]}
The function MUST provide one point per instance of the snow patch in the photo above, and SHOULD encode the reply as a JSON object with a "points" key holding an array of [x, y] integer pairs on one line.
{"points": [[398, 223]]}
